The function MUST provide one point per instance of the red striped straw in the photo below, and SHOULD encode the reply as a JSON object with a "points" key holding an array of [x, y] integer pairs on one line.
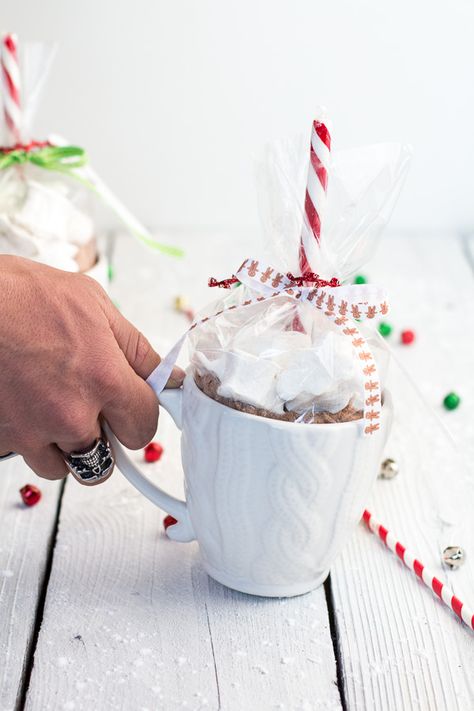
{"points": [[11, 87], [431, 581], [316, 190]]}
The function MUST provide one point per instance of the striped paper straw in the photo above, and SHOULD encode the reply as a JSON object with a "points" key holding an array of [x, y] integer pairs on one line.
{"points": [[429, 579], [11, 87], [316, 191]]}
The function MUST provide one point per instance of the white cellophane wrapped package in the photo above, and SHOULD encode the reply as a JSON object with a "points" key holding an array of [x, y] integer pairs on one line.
{"points": [[305, 350], [49, 193], [45, 214]]}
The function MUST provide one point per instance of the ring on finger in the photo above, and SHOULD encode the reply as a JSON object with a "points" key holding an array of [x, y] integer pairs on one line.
{"points": [[92, 465]]}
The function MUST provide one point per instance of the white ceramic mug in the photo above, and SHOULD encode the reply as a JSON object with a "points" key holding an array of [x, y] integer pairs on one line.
{"points": [[270, 502]]}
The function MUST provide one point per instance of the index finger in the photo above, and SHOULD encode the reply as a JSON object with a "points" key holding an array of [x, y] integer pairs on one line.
{"points": [[137, 349]]}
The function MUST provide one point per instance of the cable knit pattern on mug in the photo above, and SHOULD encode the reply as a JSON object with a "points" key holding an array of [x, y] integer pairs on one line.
{"points": [[270, 502]]}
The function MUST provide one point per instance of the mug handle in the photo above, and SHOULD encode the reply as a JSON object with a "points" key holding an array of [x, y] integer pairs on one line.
{"points": [[182, 531]]}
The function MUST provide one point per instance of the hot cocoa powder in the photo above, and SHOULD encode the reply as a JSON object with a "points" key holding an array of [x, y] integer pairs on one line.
{"points": [[209, 383]]}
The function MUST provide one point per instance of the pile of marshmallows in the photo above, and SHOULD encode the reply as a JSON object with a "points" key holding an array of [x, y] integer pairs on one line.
{"points": [[39, 221], [282, 371]]}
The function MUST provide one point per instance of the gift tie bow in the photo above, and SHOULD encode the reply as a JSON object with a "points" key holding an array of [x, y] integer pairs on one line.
{"points": [[44, 155]]}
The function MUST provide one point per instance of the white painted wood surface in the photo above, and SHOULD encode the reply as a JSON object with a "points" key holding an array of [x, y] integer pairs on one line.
{"points": [[131, 621], [401, 648], [25, 537]]}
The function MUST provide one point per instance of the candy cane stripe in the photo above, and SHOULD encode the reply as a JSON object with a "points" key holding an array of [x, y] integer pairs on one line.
{"points": [[390, 541], [11, 80], [11, 67], [305, 267], [320, 172], [10, 42], [10, 64], [12, 110], [408, 559], [446, 595], [456, 604], [313, 217], [323, 133], [315, 196], [315, 190], [466, 615], [318, 168], [427, 577], [418, 568], [400, 551], [431, 581], [383, 534], [437, 587], [320, 152]]}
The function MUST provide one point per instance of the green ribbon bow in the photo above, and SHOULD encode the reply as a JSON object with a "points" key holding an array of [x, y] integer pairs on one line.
{"points": [[65, 159], [60, 158]]}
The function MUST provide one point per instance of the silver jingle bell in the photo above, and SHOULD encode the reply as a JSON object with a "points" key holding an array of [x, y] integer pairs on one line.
{"points": [[388, 469], [454, 556]]}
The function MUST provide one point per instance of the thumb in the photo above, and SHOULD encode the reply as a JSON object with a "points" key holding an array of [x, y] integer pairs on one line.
{"points": [[137, 349]]}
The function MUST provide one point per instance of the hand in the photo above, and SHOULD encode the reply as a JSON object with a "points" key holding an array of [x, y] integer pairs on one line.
{"points": [[67, 359]]}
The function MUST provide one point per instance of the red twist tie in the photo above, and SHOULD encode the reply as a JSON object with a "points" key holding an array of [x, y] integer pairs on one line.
{"points": [[312, 278], [27, 147], [224, 284]]}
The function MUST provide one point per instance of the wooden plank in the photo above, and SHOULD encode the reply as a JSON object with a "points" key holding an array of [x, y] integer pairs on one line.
{"points": [[400, 647], [131, 621], [25, 540], [272, 653]]}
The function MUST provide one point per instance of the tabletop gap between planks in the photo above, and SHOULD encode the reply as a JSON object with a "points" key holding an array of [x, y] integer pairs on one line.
{"points": [[335, 637], [38, 617], [26, 540]]}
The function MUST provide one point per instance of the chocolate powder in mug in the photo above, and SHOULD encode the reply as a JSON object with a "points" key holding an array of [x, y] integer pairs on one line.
{"points": [[209, 384]]}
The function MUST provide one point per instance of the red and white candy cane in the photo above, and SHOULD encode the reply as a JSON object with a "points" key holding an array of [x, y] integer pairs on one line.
{"points": [[315, 198], [445, 594], [11, 87]]}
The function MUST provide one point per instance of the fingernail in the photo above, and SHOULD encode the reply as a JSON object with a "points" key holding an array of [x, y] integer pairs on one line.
{"points": [[176, 378]]}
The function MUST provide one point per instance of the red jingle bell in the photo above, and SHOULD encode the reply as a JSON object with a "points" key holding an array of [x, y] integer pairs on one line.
{"points": [[30, 494], [169, 521], [153, 452], [407, 337]]}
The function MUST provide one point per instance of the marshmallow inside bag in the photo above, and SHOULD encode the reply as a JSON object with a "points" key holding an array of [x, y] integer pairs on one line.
{"points": [[266, 364], [49, 215], [40, 222], [320, 378], [18, 241], [244, 377]]}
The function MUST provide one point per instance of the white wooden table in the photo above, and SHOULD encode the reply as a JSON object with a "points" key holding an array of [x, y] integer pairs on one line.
{"points": [[99, 610]]}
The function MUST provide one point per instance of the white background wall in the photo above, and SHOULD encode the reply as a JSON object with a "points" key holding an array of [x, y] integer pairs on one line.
{"points": [[173, 99]]}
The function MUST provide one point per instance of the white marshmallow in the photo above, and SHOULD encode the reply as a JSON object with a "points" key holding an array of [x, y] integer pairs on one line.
{"points": [[332, 401], [304, 375], [49, 215], [271, 343], [277, 369], [38, 221], [245, 378]]}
